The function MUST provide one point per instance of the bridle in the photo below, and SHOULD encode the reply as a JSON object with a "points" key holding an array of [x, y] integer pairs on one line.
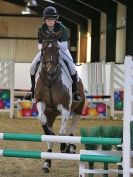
{"points": [[51, 64]]}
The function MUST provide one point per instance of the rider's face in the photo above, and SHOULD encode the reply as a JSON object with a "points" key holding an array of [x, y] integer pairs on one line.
{"points": [[50, 21]]}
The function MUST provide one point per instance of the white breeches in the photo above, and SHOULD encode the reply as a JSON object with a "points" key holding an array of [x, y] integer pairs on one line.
{"points": [[34, 63], [65, 55]]}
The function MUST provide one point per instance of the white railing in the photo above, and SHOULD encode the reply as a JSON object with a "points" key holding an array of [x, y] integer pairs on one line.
{"points": [[7, 82], [128, 114]]}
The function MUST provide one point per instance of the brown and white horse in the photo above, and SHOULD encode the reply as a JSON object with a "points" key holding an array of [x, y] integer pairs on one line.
{"points": [[53, 93]]}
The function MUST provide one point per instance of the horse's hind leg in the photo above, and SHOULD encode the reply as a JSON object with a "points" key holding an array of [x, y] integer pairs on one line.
{"points": [[74, 121], [48, 131], [70, 130], [65, 116], [47, 162]]}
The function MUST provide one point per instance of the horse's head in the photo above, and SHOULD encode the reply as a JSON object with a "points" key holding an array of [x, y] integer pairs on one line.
{"points": [[50, 57]]}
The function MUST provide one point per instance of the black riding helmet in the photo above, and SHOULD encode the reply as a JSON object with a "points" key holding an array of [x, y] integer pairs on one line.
{"points": [[50, 12]]}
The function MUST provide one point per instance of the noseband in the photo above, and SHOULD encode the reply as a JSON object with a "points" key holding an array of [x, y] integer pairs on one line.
{"points": [[53, 62]]}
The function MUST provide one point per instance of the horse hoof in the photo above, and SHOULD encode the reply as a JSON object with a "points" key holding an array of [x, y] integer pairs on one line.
{"points": [[71, 148], [46, 166], [63, 147], [45, 170]]}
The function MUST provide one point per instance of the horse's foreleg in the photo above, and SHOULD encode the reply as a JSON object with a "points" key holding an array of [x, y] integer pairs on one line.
{"points": [[41, 116], [65, 117]]}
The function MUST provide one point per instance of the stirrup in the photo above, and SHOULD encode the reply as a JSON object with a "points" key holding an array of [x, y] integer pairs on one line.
{"points": [[77, 97], [28, 96]]}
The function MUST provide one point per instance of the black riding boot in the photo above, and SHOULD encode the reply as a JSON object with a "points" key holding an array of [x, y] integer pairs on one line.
{"points": [[76, 95], [30, 95]]}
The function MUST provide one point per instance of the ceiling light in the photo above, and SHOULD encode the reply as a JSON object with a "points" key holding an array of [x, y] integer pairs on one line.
{"points": [[33, 2], [28, 3], [49, 1]]}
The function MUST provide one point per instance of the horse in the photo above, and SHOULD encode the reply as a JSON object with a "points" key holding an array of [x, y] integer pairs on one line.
{"points": [[53, 93]]}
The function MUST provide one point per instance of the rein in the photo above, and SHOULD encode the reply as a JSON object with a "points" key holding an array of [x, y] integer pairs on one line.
{"points": [[69, 58]]}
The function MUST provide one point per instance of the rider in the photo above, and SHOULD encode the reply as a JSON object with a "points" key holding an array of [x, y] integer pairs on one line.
{"points": [[49, 27]]}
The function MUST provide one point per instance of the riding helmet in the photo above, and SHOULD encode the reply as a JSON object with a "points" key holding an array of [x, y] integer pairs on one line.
{"points": [[50, 12]]}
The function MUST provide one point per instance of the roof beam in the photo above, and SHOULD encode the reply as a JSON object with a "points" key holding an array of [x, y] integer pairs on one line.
{"points": [[102, 5], [121, 1], [64, 13], [19, 2], [78, 8]]}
